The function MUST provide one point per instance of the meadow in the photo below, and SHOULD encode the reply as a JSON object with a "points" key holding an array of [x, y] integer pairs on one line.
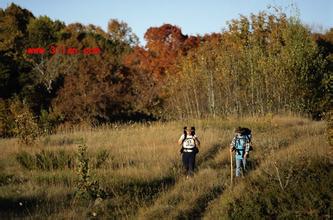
{"points": [[136, 168]]}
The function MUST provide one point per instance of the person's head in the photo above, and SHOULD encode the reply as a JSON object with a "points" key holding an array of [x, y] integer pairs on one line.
{"points": [[188, 131], [238, 130], [192, 132]]}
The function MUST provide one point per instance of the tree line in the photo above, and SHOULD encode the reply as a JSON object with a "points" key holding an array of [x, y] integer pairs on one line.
{"points": [[265, 63]]}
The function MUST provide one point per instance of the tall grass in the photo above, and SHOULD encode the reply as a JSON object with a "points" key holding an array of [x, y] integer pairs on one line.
{"points": [[139, 166], [294, 182]]}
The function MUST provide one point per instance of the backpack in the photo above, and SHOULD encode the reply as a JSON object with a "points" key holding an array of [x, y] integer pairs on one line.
{"points": [[189, 142], [247, 132]]}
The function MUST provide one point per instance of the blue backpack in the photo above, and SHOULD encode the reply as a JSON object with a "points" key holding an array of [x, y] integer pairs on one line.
{"points": [[246, 137]]}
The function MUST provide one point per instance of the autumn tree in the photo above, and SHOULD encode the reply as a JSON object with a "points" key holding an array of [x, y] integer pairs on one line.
{"points": [[156, 63], [324, 95], [98, 87], [119, 31], [262, 63]]}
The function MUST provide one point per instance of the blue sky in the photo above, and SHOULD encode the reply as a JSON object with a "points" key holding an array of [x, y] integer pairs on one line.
{"points": [[192, 16]]}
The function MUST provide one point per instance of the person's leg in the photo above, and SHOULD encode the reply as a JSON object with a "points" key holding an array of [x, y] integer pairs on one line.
{"points": [[194, 155], [244, 166], [191, 163], [185, 163], [238, 167]]}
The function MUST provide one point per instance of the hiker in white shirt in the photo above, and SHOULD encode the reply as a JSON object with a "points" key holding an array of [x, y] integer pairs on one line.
{"points": [[189, 148]]}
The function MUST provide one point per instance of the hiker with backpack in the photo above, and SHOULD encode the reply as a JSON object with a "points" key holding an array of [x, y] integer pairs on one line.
{"points": [[189, 148], [241, 145]]}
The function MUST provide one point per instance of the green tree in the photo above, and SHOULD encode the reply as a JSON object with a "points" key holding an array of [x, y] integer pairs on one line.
{"points": [[261, 64], [13, 37]]}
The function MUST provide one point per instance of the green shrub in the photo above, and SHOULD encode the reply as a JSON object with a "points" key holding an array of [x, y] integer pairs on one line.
{"points": [[26, 160], [47, 122], [87, 188], [26, 128], [44, 160]]}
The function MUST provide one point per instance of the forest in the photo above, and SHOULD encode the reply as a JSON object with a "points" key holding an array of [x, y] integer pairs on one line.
{"points": [[264, 63]]}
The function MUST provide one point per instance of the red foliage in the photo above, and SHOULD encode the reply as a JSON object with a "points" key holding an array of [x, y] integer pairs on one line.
{"points": [[164, 46]]}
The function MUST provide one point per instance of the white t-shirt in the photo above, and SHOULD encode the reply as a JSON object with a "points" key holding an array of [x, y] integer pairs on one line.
{"points": [[189, 142]]}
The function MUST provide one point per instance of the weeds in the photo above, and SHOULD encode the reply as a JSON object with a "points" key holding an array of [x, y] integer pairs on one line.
{"points": [[7, 179], [102, 156], [46, 160], [26, 160], [87, 188]]}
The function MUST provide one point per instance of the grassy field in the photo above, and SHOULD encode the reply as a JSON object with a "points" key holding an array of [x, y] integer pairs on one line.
{"points": [[137, 166]]}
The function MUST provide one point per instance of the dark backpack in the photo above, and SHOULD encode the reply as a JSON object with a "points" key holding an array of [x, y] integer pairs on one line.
{"points": [[247, 132]]}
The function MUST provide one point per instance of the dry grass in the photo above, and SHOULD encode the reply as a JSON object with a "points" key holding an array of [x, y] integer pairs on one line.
{"points": [[142, 170], [279, 175]]}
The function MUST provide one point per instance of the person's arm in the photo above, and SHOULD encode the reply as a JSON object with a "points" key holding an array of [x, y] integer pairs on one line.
{"points": [[197, 140], [247, 147], [180, 141], [232, 144]]}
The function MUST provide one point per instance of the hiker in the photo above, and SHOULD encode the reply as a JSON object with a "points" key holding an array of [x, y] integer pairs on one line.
{"points": [[241, 145], [189, 148]]}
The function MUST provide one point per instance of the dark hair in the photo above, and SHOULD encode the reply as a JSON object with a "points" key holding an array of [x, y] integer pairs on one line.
{"points": [[192, 131], [185, 133], [238, 130]]}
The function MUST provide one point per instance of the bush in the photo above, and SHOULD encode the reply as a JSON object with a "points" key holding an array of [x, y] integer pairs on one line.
{"points": [[26, 128], [44, 160], [48, 121], [87, 188]]}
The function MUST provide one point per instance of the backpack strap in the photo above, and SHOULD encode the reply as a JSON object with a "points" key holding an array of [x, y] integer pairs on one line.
{"points": [[248, 138], [182, 147], [236, 144], [185, 135], [239, 151]]}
